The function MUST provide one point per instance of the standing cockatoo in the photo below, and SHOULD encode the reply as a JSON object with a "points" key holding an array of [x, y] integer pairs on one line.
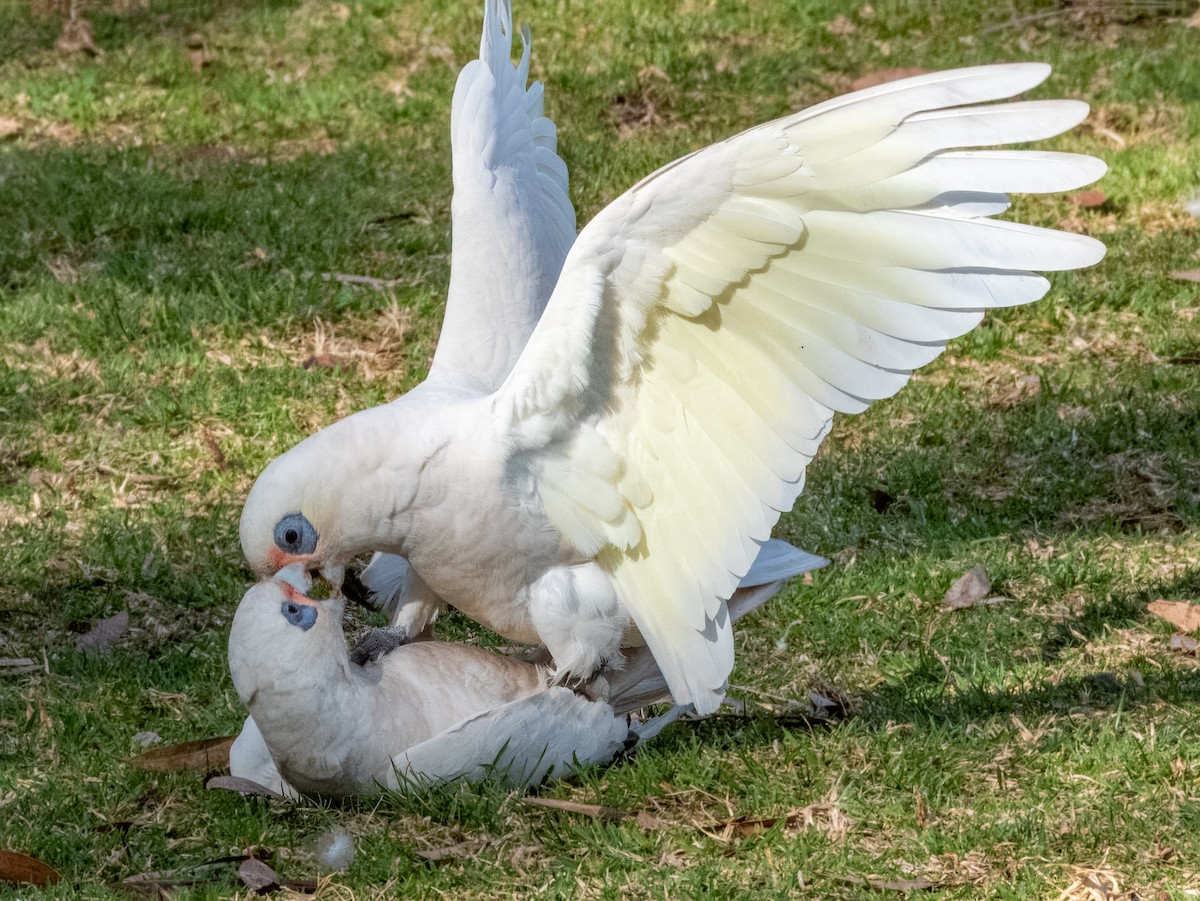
{"points": [[609, 480]]}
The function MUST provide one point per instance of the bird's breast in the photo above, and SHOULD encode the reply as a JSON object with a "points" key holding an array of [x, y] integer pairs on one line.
{"points": [[479, 536]]}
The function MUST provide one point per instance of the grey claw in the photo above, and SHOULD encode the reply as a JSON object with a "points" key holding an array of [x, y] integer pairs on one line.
{"points": [[377, 643], [593, 687]]}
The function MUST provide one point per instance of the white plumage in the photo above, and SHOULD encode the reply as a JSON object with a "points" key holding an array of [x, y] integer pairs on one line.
{"points": [[428, 712], [612, 482]]}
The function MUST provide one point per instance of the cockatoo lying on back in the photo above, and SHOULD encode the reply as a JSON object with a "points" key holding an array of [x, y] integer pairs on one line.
{"points": [[601, 473], [428, 712]]}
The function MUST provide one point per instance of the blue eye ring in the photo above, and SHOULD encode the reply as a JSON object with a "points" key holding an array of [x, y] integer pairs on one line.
{"points": [[295, 534], [302, 615]]}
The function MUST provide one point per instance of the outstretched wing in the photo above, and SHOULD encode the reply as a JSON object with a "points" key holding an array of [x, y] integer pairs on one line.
{"points": [[513, 222], [710, 321]]}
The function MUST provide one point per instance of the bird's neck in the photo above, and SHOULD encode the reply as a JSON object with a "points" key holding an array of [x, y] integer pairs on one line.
{"points": [[380, 477], [400, 468], [306, 706]]}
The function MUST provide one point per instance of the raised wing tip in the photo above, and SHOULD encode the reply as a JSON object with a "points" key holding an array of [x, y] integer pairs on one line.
{"points": [[1091, 250], [1030, 70], [1022, 75], [1092, 168], [1074, 112], [496, 40]]}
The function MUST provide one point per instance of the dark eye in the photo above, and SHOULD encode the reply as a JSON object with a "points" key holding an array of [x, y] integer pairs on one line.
{"points": [[302, 615], [295, 534]]}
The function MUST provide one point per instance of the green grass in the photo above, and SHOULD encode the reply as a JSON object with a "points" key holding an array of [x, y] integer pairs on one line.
{"points": [[168, 210]]}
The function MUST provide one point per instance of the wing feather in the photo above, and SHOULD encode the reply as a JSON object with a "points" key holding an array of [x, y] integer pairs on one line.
{"points": [[710, 321], [513, 222]]}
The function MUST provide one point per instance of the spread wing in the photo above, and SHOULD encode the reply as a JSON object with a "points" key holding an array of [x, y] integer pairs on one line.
{"points": [[513, 222], [708, 324]]}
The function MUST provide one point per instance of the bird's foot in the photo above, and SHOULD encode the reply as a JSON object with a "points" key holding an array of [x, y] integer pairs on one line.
{"points": [[594, 687], [378, 643]]}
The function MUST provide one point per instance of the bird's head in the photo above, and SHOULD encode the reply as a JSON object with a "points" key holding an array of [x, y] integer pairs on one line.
{"points": [[292, 516], [333, 496], [282, 637]]}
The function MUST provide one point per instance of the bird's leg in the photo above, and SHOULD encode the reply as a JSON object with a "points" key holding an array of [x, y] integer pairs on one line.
{"points": [[647, 729], [377, 643], [414, 613], [577, 615]]}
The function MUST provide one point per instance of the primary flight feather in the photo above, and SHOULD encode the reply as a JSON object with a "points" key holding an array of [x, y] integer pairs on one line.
{"points": [[612, 481]]}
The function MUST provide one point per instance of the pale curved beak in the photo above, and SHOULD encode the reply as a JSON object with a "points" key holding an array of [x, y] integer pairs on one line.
{"points": [[296, 575]]}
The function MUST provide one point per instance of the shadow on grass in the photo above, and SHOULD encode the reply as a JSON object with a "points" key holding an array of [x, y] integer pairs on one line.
{"points": [[180, 248], [1115, 611], [924, 694], [29, 28]]}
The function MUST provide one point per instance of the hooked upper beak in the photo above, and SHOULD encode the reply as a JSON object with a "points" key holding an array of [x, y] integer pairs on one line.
{"points": [[282, 561], [297, 575]]}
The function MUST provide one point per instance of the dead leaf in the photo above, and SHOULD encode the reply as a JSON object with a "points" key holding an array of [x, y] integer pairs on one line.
{"points": [[205, 754], [155, 883], [197, 51], [10, 128], [883, 76], [971, 590], [1194, 21], [76, 36], [158, 884], [645, 106], [104, 634], [1092, 885], [325, 361], [1186, 275], [242, 786], [648, 821], [18, 665], [674, 858], [1180, 614], [825, 816], [257, 876], [1088, 199], [21, 869], [1024, 388], [1183, 643]]}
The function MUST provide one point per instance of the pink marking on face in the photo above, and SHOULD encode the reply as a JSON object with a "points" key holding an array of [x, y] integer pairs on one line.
{"points": [[279, 558]]}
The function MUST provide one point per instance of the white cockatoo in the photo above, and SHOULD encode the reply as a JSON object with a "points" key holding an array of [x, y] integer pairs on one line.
{"points": [[605, 476], [428, 712]]}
